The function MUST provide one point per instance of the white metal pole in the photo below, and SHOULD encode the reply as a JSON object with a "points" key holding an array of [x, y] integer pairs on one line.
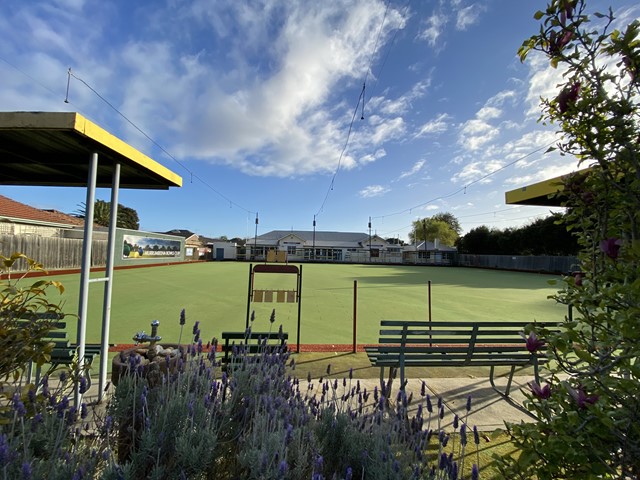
{"points": [[85, 272], [108, 288]]}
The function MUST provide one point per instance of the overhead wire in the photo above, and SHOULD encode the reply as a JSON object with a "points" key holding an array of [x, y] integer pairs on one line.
{"points": [[148, 137], [464, 187], [360, 103]]}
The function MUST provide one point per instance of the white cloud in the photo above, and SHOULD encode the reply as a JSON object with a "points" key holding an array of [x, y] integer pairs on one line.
{"points": [[488, 113], [476, 133], [476, 170], [373, 191], [372, 157], [468, 16], [435, 25], [415, 169], [435, 126]]}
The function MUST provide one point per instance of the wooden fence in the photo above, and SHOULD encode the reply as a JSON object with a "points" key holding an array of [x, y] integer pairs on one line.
{"points": [[52, 252]]}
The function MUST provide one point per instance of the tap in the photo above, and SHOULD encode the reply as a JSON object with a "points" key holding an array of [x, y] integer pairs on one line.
{"points": [[141, 337]]}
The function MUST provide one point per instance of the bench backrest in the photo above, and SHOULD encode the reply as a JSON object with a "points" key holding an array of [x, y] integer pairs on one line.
{"points": [[465, 334], [252, 344]]}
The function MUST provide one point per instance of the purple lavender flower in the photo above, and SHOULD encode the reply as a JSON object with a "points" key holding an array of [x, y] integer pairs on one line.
{"points": [[463, 434], [62, 406], [282, 468], [26, 471], [611, 247], [429, 405], [475, 473], [196, 327], [108, 423], [455, 422], [349, 474], [469, 403], [18, 405], [36, 421], [83, 411], [183, 317], [272, 318], [63, 376], [476, 435], [82, 384]]}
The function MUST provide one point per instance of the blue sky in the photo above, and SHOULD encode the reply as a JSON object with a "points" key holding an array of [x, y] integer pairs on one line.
{"points": [[254, 103]]}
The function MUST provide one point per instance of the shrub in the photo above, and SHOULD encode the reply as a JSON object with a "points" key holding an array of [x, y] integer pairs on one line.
{"points": [[589, 421], [22, 342]]}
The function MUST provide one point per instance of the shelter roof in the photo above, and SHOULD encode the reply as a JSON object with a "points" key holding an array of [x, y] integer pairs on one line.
{"points": [[541, 193], [53, 149]]}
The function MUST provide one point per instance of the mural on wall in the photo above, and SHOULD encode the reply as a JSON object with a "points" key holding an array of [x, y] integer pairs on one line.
{"points": [[135, 246]]}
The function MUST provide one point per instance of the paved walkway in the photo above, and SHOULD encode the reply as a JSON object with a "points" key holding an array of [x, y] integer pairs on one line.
{"points": [[489, 410]]}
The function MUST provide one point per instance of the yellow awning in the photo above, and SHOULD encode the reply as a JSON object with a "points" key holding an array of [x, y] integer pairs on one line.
{"points": [[53, 149]]}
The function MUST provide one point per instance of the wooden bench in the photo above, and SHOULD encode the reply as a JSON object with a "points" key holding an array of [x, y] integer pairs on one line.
{"points": [[64, 352], [425, 343], [255, 343]]}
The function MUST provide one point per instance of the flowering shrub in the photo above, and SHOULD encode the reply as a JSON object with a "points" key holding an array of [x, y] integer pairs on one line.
{"points": [[589, 419]]}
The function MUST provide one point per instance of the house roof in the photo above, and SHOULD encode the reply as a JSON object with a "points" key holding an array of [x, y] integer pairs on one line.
{"points": [[180, 233], [322, 239], [307, 236], [16, 211], [430, 246]]}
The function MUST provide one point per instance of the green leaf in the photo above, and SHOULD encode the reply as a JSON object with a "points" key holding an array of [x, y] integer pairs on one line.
{"points": [[538, 15]]}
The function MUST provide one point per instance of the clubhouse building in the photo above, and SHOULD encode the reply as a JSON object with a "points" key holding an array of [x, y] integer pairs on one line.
{"points": [[347, 247]]}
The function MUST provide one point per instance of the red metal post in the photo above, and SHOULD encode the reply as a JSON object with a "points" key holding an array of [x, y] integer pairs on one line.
{"points": [[355, 313]]}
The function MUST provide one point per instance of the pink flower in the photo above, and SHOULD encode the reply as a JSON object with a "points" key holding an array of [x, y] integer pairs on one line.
{"points": [[578, 279], [611, 247], [533, 343], [581, 398], [541, 392], [568, 97]]}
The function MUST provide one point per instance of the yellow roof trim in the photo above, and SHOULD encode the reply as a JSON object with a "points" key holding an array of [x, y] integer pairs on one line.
{"points": [[93, 131], [53, 148]]}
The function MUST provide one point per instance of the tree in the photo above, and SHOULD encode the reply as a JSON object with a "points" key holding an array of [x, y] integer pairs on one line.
{"points": [[127, 217], [589, 423], [394, 241], [450, 219], [441, 227]]}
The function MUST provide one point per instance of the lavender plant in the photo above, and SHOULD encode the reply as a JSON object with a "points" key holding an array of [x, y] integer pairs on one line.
{"points": [[254, 420]]}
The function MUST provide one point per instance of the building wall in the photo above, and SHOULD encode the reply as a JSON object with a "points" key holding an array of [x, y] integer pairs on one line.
{"points": [[10, 228]]}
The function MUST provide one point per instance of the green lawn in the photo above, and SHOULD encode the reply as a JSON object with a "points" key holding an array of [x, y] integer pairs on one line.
{"points": [[215, 293]]}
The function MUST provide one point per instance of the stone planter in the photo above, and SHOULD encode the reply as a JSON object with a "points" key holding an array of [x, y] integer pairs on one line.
{"points": [[154, 362]]}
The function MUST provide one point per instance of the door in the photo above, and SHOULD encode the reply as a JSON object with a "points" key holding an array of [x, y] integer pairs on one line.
{"points": [[219, 253]]}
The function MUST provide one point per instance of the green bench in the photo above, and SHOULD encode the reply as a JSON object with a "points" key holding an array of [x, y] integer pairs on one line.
{"points": [[405, 343], [254, 344], [64, 352]]}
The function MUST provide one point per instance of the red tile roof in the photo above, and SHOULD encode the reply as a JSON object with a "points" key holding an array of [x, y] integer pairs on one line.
{"points": [[20, 211]]}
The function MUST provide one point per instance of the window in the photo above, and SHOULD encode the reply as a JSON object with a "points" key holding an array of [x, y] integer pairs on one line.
{"points": [[291, 250]]}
